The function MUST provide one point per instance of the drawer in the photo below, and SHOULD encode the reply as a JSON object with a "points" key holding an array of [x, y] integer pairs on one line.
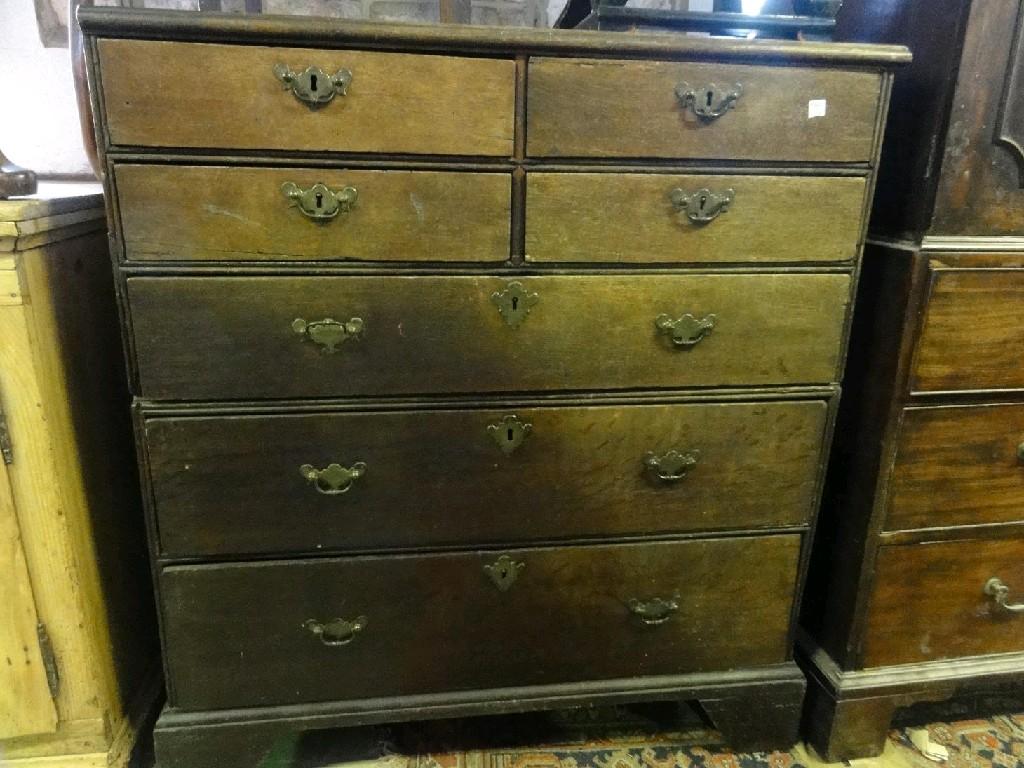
{"points": [[958, 466], [268, 337], [219, 213], [436, 623], [171, 94], [929, 601], [609, 108], [972, 336], [235, 484], [637, 218]]}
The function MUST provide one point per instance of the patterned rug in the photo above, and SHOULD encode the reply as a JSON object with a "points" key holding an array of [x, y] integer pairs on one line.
{"points": [[621, 737]]}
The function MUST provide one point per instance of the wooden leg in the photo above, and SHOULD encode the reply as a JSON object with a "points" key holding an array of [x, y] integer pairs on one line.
{"points": [[847, 729], [249, 745], [758, 721]]}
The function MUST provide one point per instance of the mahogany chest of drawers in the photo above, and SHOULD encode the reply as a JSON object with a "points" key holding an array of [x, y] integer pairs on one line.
{"points": [[916, 589], [478, 371]]}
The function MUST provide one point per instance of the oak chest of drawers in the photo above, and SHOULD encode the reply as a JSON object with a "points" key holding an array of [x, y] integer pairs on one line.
{"points": [[916, 587], [478, 371]]}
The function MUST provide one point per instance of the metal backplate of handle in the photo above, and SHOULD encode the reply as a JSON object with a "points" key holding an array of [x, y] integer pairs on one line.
{"points": [[312, 86], [671, 466], [655, 611], [333, 479], [685, 331], [329, 333], [1000, 594], [336, 631]]}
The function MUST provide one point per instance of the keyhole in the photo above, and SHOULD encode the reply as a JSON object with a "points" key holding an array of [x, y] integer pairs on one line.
{"points": [[515, 303], [504, 573], [312, 84], [510, 438], [709, 94], [319, 200], [703, 201]]}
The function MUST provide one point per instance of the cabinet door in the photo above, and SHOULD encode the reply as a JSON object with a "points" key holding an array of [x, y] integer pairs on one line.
{"points": [[26, 706]]}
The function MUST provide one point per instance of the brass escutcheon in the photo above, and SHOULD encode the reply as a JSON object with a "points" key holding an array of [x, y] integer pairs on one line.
{"points": [[312, 86], [655, 611], [503, 572], [708, 102], [509, 433], [320, 203], [1000, 594], [514, 303], [702, 206]]}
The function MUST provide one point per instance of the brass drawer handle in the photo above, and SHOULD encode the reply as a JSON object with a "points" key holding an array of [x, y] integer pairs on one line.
{"points": [[1000, 593], [336, 631], [702, 206], [320, 203], [312, 86], [654, 611], [329, 333], [671, 466], [334, 478], [710, 101], [687, 331]]}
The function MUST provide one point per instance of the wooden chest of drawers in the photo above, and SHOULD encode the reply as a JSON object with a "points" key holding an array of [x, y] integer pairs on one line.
{"points": [[917, 584], [478, 371]]}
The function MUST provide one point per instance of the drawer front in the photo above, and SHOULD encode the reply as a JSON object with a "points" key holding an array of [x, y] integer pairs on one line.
{"points": [[236, 485], [929, 601], [395, 102], [637, 218], [609, 108], [972, 337], [265, 337], [434, 623], [958, 466], [263, 214]]}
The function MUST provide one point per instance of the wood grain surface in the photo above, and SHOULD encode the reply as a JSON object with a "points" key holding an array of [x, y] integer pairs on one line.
{"points": [[232, 338], [630, 218], [972, 337], [609, 108], [928, 602], [238, 213], [957, 465], [438, 477], [437, 622], [226, 96]]}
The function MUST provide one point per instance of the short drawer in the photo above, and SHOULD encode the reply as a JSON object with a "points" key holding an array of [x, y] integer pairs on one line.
{"points": [[260, 214], [341, 629], [929, 601], [610, 108], [256, 484], [972, 336], [172, 94], [637, 218], [270, 337], [958, 465]]}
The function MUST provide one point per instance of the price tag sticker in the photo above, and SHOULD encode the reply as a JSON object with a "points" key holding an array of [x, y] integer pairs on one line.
{"points": [[816, 108]]}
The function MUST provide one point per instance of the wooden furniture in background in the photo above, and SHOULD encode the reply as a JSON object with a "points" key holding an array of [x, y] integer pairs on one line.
{"points": [[415, 444], [923, 507], [77, 628]]}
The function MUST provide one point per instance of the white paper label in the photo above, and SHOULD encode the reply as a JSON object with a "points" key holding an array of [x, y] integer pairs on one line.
{"points": [[816, 108]]}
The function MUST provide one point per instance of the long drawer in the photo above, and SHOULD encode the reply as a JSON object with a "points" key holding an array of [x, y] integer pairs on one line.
{"points": [[930, 601], [612, 108], [958, 465], [637, 218], [286, 632], [972, 336], [276, 337], [175, 94], [253, 484], [223, 213]]}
